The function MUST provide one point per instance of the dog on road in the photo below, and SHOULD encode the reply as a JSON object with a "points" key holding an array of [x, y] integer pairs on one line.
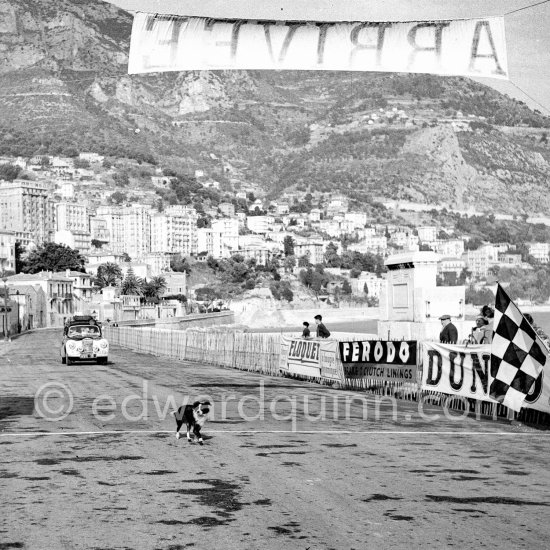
{"points": [[194, 416]]}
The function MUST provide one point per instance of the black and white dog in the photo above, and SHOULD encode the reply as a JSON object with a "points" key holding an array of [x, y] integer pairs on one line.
{"points": [[194, 416]]}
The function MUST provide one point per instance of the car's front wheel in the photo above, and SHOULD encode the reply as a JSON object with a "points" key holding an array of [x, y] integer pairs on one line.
{"points": [[63, 360], [69, 360], [102, 360]]}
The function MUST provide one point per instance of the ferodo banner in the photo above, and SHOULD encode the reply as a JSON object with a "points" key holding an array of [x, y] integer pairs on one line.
{"points": [[470, 47], [316, 358], [380, 360]]}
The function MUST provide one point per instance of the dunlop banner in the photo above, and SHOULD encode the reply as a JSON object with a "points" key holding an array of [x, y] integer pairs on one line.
{"points": [[539, 396], [457, 370], [465, 370], [379, 360], [315, 358], [470, 47]]}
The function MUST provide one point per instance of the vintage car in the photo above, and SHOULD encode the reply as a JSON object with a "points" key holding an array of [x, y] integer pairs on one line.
{"points": [[83, 341]]}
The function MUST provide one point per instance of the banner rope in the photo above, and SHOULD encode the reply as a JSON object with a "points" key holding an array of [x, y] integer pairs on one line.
{"points": [[547, 109], [527, 8]]}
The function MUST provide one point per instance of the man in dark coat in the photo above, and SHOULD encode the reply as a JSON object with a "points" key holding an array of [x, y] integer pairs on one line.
{"points": [[449, 334]]}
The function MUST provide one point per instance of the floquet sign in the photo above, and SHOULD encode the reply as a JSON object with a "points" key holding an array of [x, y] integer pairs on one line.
{"points": [[470, 47], [311, 358]]}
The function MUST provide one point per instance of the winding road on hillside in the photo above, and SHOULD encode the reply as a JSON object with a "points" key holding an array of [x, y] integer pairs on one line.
{"points": [[285, 464]]}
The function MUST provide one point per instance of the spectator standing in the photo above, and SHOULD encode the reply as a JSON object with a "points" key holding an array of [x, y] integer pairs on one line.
{"points": [[306, 332], [449, 334]]}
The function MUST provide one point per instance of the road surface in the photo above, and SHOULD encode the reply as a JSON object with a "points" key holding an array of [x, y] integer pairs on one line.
{"points": [[111, 474]]}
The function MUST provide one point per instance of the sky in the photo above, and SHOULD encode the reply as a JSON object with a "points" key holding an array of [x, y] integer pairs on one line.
{"points": [[528, 39]]}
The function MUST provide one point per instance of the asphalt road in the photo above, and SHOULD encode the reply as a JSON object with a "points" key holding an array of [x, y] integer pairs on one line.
{"points": [[111, 474]]}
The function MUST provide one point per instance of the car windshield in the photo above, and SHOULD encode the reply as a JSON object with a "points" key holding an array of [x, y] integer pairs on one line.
{"points": [[87, 331]]}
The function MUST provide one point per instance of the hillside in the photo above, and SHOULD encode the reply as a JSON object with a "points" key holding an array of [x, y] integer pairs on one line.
{"points": [[65, 88]]}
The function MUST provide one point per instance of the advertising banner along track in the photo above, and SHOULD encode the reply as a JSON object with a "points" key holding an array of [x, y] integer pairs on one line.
{"points": [[466, 371], [314, 357], [380, 360], [468, 47]]}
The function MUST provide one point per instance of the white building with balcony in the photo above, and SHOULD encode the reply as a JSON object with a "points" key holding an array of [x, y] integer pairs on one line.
{"points": [[260, 224], [540, 251], [427, 233], [174, 231]]}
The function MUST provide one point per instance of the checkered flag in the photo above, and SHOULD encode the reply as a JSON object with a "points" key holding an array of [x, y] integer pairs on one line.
{"points": [[517, 354]]}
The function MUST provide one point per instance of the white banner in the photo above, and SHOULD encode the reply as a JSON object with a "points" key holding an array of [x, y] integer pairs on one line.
{"points": [[313, 357], [471, 47], [457, 370], [466, 371]]}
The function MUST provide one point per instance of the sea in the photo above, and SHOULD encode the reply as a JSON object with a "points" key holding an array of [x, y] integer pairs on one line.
{"points": [[370, 326]]}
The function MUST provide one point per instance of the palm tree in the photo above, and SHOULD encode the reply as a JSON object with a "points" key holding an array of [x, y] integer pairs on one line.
{"points": [[155, 287], [109, 274]]}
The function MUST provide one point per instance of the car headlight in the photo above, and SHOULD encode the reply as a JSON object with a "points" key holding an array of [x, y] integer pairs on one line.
{"points": [[71, 345], [103, 344]]}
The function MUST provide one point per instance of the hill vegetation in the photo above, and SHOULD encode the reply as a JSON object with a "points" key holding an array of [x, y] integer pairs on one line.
{"points": [[65, 90]]}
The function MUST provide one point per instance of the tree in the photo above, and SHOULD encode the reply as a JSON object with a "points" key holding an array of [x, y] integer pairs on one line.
{"points": [[131, 284], [331, 256], [289, 263], [288, 244], [346, 287], [118, 197], [126, 257], [479, 297], [121, 178], [9, 172], [109, 274], [96, 243], [303, 261], [155, 287], [53, 257], [81, 163], [207, 294], [180, 264], [19, 251]]}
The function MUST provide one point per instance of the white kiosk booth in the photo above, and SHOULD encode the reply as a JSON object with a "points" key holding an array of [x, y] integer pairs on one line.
{"points": [[411, 303]]}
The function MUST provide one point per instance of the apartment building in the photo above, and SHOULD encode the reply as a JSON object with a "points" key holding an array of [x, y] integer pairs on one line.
{"points": [[210, 242], [427, 233], [111, 224], [359, 219], [478, 261], [260, 224], [375, 244], [25, 207], [540, 251], [71, 217], [77, 240], [452, 248], [227, 208], [174, 231], [136, 230], [314, 250]]}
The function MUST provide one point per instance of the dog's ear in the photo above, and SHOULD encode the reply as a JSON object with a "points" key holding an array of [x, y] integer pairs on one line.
{"points": [[206, 403], [196, 404]]}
